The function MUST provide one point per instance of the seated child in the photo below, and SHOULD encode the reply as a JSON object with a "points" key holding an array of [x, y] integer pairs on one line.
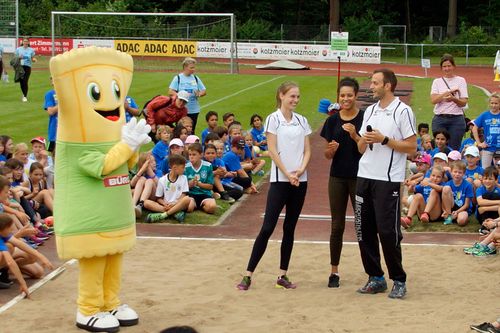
{"points": [[473, 172], [176, 146], [212, 118], [201, 180], [40, 197], [210, 138], [441, 138], [10, 245], [144, 182], [422, 128], [160, 150], [426, 145], [210, 155], [171, 193], [180, 132], [190, 140], [187, 123], [233, 165], [419, 204], [21, 154], [457, 196], [39, 154], [250, 161], [228, 119], [258, 134], [488, 245], [488, 196]]}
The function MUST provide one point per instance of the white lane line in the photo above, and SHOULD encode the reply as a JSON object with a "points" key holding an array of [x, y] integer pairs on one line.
{"points": [[279, 241], [51, 276], [241, 91], [313, 217]]}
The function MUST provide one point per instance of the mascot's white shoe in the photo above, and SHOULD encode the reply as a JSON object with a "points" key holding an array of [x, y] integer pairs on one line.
{"points": [[125, 315], [100, 322]]}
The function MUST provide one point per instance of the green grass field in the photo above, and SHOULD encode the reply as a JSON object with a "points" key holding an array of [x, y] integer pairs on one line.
{"points": [[243, 95]]}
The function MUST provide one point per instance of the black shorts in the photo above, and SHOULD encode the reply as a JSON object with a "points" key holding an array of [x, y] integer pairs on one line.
{"points": [[199, 198]]}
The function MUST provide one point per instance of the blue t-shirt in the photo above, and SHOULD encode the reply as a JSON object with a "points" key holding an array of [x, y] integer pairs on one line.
{"points": [[51, 101], [460, 192], [424, 190], [190, 84], [491, 125], [132, 104], [466, 143], [259, 136], [160, 153], [436, 150], [164, 167], [232, 162], [25, 54], [218, 163], [247, 155], [489, 195], [473, 173], [204, 135], [3, 240], [3, 158]]}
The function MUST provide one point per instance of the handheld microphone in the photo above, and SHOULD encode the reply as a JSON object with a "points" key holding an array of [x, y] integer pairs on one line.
{"points": [[369, 129]]}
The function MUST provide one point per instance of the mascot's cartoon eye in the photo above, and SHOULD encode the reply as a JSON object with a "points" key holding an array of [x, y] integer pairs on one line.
{"points": [[116, 89], [94, 92]]}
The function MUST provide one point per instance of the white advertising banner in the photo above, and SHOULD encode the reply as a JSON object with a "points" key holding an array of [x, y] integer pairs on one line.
{"points": [[8, 44], [307, 52], [79, 43]]}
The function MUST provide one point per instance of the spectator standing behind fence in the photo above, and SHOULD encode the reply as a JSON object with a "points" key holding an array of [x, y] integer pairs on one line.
{"points": [[449, 96], [191, 83], [27, 57], [341, 134]]}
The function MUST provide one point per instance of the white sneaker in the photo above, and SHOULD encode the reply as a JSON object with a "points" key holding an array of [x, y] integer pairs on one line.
{"points": [[100, 322], [25, 99], [126, 315]]}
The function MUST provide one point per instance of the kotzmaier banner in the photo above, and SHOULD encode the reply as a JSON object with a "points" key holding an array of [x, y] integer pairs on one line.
{"points": [[308, 52]]}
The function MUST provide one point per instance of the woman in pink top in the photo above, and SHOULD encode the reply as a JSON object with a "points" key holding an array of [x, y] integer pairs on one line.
{"points": [[449, 96]]}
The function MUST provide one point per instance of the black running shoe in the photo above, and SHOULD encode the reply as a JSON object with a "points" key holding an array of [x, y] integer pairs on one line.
{"points": [[334, 281]]}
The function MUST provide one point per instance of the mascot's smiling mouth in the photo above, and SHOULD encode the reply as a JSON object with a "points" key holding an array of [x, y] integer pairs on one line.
{"points": [[112, 115]]}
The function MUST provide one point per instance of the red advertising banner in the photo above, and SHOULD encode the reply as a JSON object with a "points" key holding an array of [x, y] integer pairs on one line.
{"points": [[43, 46]]}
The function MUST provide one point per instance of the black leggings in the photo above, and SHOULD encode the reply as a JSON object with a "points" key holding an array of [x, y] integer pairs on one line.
{"points": [[194, 118], [24, 80], [280, 194], [339, 191]]}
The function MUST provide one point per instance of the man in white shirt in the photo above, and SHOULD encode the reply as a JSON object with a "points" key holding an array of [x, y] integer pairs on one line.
{"points": [[388, 134]]}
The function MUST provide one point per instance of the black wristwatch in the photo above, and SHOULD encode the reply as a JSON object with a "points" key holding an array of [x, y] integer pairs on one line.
{"points": [[384, 142]]}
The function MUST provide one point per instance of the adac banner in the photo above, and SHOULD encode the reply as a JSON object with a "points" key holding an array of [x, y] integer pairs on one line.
{"points": [[157, 48]]}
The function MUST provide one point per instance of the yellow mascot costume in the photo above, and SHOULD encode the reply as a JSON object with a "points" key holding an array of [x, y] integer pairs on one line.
{"points": [[93, 213]]}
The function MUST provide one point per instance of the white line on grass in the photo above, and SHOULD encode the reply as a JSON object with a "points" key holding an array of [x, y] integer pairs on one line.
{"points": [[241, 91]]}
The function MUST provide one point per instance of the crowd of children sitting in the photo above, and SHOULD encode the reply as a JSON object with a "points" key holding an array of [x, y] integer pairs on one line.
{"points": [[449, 185], [183, 173]]}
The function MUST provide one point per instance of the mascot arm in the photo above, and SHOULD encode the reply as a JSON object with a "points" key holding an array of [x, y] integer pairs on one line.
{"points": [[132, 161], [120, 154]]}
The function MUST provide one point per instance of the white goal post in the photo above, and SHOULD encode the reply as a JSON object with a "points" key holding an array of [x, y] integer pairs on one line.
{"points": [[232, 34]]}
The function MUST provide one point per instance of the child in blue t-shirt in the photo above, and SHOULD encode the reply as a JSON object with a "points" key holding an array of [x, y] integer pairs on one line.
{"points": [[441, 138], [422, 128], [219, 169], [258, 134], [51, 107], [255, 164], [160, 150], [488, 196], [457, 196], [489, 121], [420, 205], [131, 108], [212, 118], [473, 172], [200, 179]]}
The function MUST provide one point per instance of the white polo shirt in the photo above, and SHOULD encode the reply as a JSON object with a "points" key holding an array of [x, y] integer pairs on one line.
{"points": [[397, 122], [172, 191], [290, 138]]}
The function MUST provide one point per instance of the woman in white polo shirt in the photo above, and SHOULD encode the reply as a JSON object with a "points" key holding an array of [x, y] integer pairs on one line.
{"points": [[288, 143], [449, 96]]}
